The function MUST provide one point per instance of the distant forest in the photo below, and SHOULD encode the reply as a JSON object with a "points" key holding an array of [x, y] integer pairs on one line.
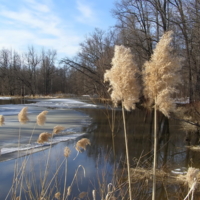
{"points": [[139, 25]]}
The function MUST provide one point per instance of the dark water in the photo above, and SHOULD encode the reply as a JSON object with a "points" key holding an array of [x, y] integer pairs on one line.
{"points": [[104, 159], [14, 101]]}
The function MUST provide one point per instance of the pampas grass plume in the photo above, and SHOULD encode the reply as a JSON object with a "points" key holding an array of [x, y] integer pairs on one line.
{"points": [[123, 78], [67, 151], [43, 137], [82, 143], [1, 120], [57, 129], [41, 118], [22, 116], [160, 75]]}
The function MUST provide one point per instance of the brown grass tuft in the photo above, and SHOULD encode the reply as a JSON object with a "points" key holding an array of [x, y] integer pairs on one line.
{"points": [[22, 116], [1, 120], [82, 143], [43, 137], [57, 195], [67, 151], [41, 118], [57, 129]]}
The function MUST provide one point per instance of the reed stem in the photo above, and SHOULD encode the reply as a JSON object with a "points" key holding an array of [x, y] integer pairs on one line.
{"points": [[127, 154], [155, 154]]}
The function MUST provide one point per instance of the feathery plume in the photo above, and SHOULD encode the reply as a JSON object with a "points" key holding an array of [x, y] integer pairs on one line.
{"points": [[41, 118], [82, 143], [43, 137], [57, 129], [22, 116], [160, 75], [123, 78], [57, 195], [1, 120], [67, 151]]}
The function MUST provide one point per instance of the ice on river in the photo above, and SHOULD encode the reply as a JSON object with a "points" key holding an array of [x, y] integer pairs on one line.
{"points": [[15, 137], [64, 103]]}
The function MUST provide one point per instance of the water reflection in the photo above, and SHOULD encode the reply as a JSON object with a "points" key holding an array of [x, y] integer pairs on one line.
{"points": [[172, 151], [171, 145], [107, 154]]}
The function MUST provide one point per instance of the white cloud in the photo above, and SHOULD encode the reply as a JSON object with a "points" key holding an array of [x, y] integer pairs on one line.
{"points": [[26, 18], [87, 13], [85, 10], [36, 24], [38, 6]]}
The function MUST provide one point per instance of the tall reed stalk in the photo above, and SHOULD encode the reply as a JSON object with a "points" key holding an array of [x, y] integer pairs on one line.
{"points": [[124, 87], [127, 154], [155, 153], [161, 76]]}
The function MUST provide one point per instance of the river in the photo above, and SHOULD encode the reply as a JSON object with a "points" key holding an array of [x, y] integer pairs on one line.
{"points": [[96, 165]]}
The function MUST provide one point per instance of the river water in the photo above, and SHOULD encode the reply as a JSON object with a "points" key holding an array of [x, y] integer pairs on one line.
{"points": [[97, 164]]}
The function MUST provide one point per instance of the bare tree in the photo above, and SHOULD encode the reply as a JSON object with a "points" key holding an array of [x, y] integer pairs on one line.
{"points": [[92, 61], [47, 71]]}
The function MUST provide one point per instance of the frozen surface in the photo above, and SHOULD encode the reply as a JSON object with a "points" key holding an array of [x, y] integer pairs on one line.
{"points": [[16, 137], [63, 103]]}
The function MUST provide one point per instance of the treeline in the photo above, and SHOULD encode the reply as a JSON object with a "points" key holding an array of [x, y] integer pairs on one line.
{"points": [[33, 73], [139, 25]]}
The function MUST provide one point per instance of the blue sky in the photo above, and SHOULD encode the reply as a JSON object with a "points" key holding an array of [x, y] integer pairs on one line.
{"points": [[52, 24]]}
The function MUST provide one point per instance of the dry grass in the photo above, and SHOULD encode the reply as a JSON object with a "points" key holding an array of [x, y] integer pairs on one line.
{"points": [[189, 113], [67, 152], [41, 118], [193, 148], [123, 78], [44, 137], [82, 195], [57, 195], [2, 120], [143, 173], [22, 116], [159, 75], [138, 174], [58, 129], [69, 190], [82, 143], [191, 176]]}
